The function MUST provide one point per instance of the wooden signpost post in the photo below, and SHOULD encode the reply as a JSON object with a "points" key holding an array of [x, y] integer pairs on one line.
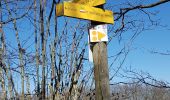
{"points": [[84, 9], [101, 74]]}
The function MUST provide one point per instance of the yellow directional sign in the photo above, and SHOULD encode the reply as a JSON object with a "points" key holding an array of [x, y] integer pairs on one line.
{"points": [[84, 12], [90, 2]]}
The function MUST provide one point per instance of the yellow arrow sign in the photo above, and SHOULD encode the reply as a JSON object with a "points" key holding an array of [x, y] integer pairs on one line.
{"points": [[101, 35], [96, 36], [90, 2], [84, 12]]}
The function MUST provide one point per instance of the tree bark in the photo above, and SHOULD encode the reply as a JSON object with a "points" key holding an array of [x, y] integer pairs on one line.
{"points": [[43, 47], [37, 48]]}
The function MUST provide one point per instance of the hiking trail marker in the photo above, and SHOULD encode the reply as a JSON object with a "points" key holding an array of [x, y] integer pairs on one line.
{"points": [[98, 33], [90, 2], [80, 11]]}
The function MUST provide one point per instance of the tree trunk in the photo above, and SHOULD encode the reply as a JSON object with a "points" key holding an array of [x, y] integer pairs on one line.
{"points": [[28, 88], [43, 46], [37, 48]]}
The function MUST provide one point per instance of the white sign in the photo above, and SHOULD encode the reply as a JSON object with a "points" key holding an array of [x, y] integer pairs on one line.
{"points": [[98, 33], [90, 52]]}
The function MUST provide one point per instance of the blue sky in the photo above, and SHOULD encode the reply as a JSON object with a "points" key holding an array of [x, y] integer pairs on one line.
{"points": [[140, 57], [158, 40]]}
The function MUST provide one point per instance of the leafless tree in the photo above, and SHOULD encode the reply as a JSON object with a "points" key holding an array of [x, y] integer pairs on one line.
{"points": [[58, 47]]}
